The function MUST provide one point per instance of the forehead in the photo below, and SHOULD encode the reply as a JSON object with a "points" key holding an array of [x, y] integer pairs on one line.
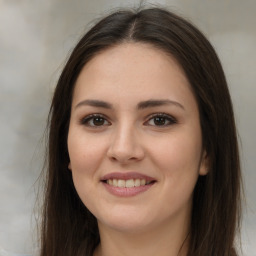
{"points": [[132, 71]]}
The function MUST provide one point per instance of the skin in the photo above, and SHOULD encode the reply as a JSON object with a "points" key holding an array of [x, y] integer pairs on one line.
{"points": [[128, 139]]}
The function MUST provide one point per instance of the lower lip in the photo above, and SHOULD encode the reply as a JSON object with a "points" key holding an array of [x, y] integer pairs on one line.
{"points": [[127, 192]]}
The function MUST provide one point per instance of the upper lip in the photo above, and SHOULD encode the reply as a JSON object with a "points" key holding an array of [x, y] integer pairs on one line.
{"points": [[126, 176]]}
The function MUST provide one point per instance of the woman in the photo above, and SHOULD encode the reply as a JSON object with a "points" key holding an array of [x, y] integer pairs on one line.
{"points": [[143, 155]]}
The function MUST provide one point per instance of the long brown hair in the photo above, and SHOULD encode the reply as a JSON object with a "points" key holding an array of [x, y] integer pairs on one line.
{"points": [[68, 228]]}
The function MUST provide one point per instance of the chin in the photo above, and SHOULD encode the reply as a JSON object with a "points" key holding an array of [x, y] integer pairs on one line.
{"points": [[127, 221]]}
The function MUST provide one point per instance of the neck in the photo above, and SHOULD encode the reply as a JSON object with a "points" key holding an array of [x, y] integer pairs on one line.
{"points": [[168, 240]]}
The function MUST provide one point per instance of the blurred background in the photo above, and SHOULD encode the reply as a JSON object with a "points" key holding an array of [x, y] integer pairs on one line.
{"points": [[35, 40]]}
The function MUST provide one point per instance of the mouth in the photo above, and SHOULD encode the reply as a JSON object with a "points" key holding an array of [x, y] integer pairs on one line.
{"points": [[127, 184]]}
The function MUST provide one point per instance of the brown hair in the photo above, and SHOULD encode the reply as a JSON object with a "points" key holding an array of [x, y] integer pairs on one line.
{"points": [[68, 228]]}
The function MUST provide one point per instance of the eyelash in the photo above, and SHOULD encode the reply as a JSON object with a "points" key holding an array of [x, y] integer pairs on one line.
{"points": [[171, 120], [85, 121]]}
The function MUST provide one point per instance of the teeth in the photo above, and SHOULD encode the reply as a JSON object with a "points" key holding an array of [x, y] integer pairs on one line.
{"points": [[114, 183], [121, 183], [137, 183], [127, 183]]}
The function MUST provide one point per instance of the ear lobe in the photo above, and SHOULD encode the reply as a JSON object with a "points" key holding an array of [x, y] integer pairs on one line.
{"points": [[204, 165], [69, 166]]}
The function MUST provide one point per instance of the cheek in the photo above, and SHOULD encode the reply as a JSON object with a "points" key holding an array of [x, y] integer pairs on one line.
{"points": [[85, 157], [178, 160], [85, 153], [181, 153]]}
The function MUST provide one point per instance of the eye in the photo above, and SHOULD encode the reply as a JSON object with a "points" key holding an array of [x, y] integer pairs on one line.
{"points": [[95, 120], [161, 119]]}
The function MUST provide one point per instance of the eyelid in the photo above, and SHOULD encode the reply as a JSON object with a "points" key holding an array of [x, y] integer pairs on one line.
{"points": [[86, 119], [169, 117]]}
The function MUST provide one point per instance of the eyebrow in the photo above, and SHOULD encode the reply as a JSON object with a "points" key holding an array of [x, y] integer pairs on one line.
{"points": [[94, 103], [156, 103], [141, 105]]}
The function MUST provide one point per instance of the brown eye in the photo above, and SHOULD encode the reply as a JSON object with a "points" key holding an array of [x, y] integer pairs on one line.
{"points": [[95, 121], [161, 120], [98, 121]]}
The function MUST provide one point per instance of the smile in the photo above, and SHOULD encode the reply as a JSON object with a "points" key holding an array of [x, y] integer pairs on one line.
{"points": [[127, 184]]}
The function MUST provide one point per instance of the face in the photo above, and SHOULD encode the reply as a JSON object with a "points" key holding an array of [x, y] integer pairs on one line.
{"points": [[134, 139]]}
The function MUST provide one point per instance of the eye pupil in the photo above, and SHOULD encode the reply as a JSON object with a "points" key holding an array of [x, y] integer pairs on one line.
{"points": [[159, 120], [97, 121]]}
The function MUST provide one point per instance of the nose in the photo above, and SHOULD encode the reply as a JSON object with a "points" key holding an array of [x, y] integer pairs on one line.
{"points": [[125, 146]]}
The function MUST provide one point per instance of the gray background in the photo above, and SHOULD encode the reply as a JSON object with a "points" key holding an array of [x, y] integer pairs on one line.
{"points": [[35, 38]]}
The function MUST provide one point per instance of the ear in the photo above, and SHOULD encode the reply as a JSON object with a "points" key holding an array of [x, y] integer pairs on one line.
{"points": [[69, 166], [204, 165]]}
